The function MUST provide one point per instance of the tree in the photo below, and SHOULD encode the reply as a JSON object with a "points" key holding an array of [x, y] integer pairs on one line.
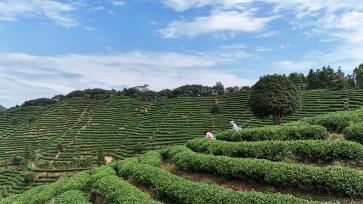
{"points": [[298, 79], [219, 89], [215, 110], [100, 156], [312, 79], [274, 95], [358, 75]]}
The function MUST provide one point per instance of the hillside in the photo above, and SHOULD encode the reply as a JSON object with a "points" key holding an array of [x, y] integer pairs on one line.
{"points": [[64, 138], [2, 108], [297, 162]]}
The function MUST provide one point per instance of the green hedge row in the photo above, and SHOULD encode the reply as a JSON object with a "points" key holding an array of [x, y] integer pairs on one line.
{"points": [[42, 194], [354, 132], [152, 158], [71, 197], [313, 151], [337, 121], [119, 191], [180, 190], [337, 180], [298, 131]]}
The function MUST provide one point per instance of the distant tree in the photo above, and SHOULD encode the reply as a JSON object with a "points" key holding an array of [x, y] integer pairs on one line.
{"points": [[339, 83], [17, 160], [351, 81], [358, 75], [312, 79], [28, 177], [38, 102], [298, 79], [100, 156], [219, 89], [138, 148], [232, 89], [274, 95], [60, 146], [215, 109]]}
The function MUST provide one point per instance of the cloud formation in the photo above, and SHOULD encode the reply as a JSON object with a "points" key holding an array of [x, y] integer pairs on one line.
{"points": [[31, 76], [57, 11]]}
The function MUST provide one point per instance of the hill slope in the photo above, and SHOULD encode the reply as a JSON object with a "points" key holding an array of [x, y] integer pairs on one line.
{"points": [[64, 138], [313, 169], [2, 108]]}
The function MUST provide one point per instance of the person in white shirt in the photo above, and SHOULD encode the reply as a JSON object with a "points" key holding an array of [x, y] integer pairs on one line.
{"points": [[235, 126]]}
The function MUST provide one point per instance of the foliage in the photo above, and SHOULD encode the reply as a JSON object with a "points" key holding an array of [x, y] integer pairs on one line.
{"points": [[28, 177], [119, 191], [138, 148], [71, 197], [181, 190], [300, 131], [337, 180], [313, 151], [215, 109], [17, 160], [152, 158], [38, 102], [358, 76], [337, 121], [354, 132], [100, 156], [274, 95]]}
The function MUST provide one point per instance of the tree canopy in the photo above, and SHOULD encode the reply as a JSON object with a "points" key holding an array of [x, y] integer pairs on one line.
{"points": [[274, 95]]}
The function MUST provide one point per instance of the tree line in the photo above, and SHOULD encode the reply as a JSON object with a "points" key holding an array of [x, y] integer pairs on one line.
{"points": [[328, 78]]}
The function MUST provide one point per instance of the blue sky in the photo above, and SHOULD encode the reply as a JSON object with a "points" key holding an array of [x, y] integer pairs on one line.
{"points": [[49, 47]]}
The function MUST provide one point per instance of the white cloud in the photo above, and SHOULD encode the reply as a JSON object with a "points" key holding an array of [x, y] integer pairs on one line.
{"points": [[30, 76], [218, 21], [59, 12]]}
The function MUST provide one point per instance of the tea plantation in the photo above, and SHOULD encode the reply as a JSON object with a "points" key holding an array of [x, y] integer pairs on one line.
{"points": [[298, 162]]}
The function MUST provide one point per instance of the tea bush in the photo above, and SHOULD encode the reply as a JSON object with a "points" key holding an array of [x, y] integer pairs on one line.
{"points": [[181, 190], [354, 132], [302, 131], [314, 151], [337, 121], [118, 191], [71, 197], [337, 180]]}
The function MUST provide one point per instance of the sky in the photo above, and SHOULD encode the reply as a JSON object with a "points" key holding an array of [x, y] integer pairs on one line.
{"points": [[50, 47]]}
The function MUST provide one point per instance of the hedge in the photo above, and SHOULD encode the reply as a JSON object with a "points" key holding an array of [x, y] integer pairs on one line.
{"points": [[44, 193], [337, 121], [338, 180], [313, 151], [354, 132], [117, 191], [180, 190], [303, 131], [71, 197], [152, 158]]}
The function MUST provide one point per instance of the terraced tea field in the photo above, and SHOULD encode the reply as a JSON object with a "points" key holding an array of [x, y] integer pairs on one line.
{"points": [[307, 166], [63, 139]]}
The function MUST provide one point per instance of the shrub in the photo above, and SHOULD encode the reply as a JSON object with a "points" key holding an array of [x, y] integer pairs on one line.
{"points": [[181, 190], [71, 197], [354, 132], [315, 151], [138, 148], [28, 177], [338, 180], [337, 121], [119, 191], [17, 160], [152, 158], [302, 131]]}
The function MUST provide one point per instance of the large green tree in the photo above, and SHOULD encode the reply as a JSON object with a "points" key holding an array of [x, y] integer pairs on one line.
{"points": [[274, 95]]}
